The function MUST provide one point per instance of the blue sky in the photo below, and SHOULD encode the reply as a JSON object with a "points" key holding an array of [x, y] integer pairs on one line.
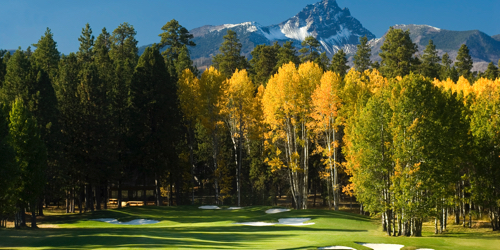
{"points": [[23, 22]]}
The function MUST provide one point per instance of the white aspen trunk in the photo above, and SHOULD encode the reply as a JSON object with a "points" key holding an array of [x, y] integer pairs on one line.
{"points": [[334, 183], [306, 166], [239, 155]]}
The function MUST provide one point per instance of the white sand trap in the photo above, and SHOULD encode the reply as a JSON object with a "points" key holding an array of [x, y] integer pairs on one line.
{"points": [[132, 222], [276, 210], [234, 208], [256, 224], [285, 221], [209, 207], [295, 221], [382, 246], [337, 247]]}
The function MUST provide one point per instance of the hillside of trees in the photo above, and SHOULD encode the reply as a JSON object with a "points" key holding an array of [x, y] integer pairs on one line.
{"points": [[410, 138]]}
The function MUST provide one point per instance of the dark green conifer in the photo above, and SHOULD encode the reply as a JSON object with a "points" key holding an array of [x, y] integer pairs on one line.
{"points": [[429, 66], [362, 60], [397, 53], [464, 63], [229, 59], [339, 63], [310, 49], [287, 53]]}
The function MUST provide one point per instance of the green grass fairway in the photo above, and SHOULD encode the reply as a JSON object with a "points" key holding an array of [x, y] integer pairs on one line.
{"points": [[190, 227]]}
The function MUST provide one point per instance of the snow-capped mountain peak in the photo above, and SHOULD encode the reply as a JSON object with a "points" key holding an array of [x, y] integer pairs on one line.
{"points": [[332, 26]]}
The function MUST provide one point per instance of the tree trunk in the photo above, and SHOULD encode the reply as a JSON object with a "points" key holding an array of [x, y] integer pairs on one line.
{"points": [[40, 206], [33, 217], [170, 202], [80, 200], [67, 201], [384, 222], [144, 196], [98, 197], [334, 183], [389, 222], [191, 161], [158, 191], [214, 156], [119, 194]]}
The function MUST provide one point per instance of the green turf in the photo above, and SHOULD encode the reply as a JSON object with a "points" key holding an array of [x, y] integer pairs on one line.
{"points": [[189, 227]]}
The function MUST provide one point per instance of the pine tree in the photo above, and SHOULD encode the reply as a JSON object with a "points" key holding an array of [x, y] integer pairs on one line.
{"points": [[287, 53], [263, 62], [3, 66], [30, 157], [429, 66], [339, 63], [323, 61], [229, 59], [102, 59], [9, 186], [46, 56], [123, 53], [18, 81], [154, 108], [491, 72], [85, 51], [124, 47], [175, 38], [183, 62], [69, 119], [397, 53], [362, 57], [445, 67], [464, 62], [310, 48]]}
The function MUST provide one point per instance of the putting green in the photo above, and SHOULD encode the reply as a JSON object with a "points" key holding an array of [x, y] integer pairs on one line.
{"points": [[188, 227]]}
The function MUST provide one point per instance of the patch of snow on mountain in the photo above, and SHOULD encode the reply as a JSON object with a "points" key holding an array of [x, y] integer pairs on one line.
{"points": [[274, 34], [251, 26], [342, 35], [438, 29], [348, 49], [326, 47], [374, 41], [294, 32]]}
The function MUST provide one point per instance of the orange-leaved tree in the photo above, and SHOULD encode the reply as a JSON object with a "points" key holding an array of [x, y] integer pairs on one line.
{"points": [[237, 111], [287, 105], [212, 86], [187, 92], [326, 103]]}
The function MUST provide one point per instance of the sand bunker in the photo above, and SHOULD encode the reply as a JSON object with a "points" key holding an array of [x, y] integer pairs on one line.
{"points": [[209, 207], [234, 208], [256, 224], [295, 221], [276, 210], [337, 247], [132, 222], [285, 221], [382, 246]]}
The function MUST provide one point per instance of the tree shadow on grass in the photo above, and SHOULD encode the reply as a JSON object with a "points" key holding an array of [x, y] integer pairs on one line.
{"points": [[178, 237]]}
